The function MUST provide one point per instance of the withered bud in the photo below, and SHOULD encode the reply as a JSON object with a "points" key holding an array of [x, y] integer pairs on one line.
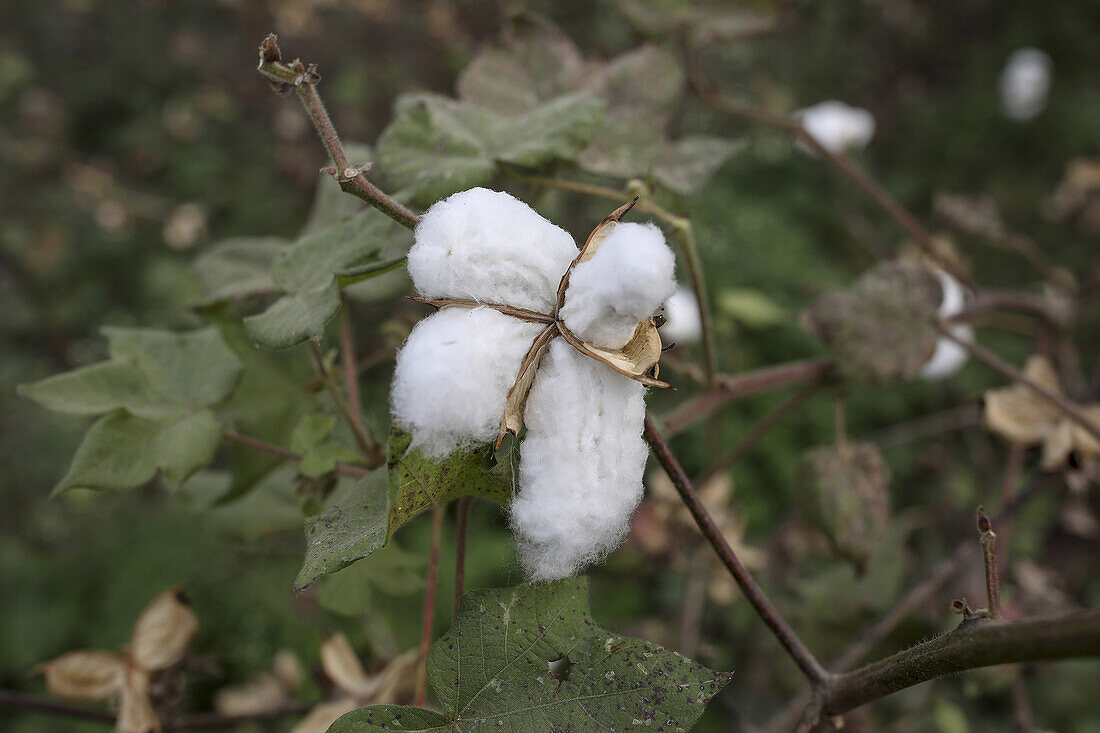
{"points": [[282, 88], [983, 521], [269, 50], [311, 75]]}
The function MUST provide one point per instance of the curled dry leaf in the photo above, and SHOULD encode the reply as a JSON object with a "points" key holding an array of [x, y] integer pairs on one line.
{"points": [[84, 675], [1019, 415], [269, 691], [394, 684], [163, 631], [135, 711]]}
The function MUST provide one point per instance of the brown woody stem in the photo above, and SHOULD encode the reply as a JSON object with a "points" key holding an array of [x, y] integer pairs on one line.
{"points": [[460, 550], [350, 178], [767, 611], [975, 643], [428, 620], [372, 451], [989, 558]]}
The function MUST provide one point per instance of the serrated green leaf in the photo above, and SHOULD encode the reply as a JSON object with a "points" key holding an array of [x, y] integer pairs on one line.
{"points": [[123, 451], [354, 527], [436, 146], [531, 658], [237, 268], [151, 374], [295, 318], [418, 483], [366, 518], [688, 163]]}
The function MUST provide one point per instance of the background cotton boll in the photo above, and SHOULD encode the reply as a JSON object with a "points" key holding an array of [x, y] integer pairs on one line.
{"points": [[949, 357], [489, 247], [837, 126], [627, 279], [682, 323], [1024, 83], [581, 463], [453, 374]]}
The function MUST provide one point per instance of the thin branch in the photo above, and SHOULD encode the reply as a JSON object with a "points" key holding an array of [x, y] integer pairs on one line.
{"points": [[989, 559], [923, 238], [740, 385], [460, 550], [975, 643], [991, 360], [369, 446], [429, 607], [53, 707], [260, 445], [347, 358], [767, 611], [303, 81], [759, 431]]}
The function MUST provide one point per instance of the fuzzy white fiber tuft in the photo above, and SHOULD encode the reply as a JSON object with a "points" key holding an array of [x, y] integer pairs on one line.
{"points": [[682, 322], [453, 374], [489, 247], [837, 126], [1025, 83], [627, 279], [949, 357], [581, 464]]}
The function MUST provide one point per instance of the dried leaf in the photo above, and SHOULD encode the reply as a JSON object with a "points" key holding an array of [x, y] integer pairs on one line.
{"points": [[637, 359], [264, 693], [135, 712], [324, 715], [84, 675], [163, 631], [516, 401], [1083, 440], [343, 667]]}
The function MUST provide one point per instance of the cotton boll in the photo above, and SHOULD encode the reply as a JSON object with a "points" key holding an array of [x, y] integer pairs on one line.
{"points": [[1024, 83], [581, 463], [949, 357], [682, 322], [837, 126], [627, 279], [453, 374], [489, 247]]}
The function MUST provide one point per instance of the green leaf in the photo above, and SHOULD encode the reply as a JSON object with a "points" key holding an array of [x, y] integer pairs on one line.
{"points": [[123, 451], [366, 518], [311, 431], [354, 527], [531, 658], [307, 271], [323, 458], [237, 268], [150, 374], [436, 146], [751, 307], [688, 163], [418, 483]]}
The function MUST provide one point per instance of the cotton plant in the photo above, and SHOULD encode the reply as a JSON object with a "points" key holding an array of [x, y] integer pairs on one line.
{"points": [[837, 126], [949, 356], [534, 333], [1025, 83]]}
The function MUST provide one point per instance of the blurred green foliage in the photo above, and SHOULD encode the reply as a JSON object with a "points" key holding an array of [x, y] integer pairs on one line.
{"points": [[136, 134]]}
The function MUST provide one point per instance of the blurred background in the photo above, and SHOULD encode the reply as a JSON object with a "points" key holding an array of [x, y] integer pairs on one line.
{"points": [[136, 134]]}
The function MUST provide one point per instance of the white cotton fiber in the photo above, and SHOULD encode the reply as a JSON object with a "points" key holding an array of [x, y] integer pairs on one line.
{"points": [[627, 279], [682, 322], [1025, 83], [453, 374], [581, 464], [489, 247], [838, 126], [949, 357]]}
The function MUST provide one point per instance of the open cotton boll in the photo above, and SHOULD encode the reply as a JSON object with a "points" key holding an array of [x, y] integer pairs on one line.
{"points": [[837, 126], [489, 247], [949, 357], [581, 463], [453, 374], [627, 279], [1025, 83], [682, 322]]}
